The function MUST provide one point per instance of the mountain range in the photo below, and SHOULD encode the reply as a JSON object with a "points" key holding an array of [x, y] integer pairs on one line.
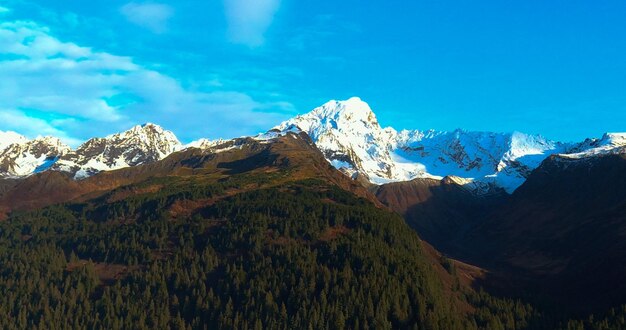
{"points": [[518, 215], [351, 139]]}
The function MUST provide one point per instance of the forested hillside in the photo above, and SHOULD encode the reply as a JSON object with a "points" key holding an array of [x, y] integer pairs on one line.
{"points": [[267, 236], [300, 255]]}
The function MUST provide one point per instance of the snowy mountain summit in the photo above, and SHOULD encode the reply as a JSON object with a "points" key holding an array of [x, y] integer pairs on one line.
{"points": [[610, 143], [348, 134], [352, 140], [141, 144], [20, 156]]}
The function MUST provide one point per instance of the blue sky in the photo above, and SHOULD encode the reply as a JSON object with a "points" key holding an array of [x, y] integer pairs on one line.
{"points": [[225, 68]]}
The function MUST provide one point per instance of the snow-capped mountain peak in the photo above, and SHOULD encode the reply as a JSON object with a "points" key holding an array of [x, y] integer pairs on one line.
{"points": [[348, 134], [351, 111], [24, 157], [150, 138], [616, 138], [139, 145], [609, 143], [8, 138], [353, 114], [611, 140], [203, 143], [352, 140]]}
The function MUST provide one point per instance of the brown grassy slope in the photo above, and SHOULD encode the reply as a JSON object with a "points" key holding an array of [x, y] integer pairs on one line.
{"points": [[293, 153]]}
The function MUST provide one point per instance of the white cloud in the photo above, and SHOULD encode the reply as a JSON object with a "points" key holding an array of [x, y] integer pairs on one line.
{"points": [[60, 88], [31, 127], [46, 74], [152, 16], [249, 20]]}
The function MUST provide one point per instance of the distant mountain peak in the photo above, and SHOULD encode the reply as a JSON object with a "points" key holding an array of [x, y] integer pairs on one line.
{"points": [[615, 138], [9, 137], [609, 143], [203, 143], [349, 111], [140, 144], [349, 135], [23, 157], [145, 130]]}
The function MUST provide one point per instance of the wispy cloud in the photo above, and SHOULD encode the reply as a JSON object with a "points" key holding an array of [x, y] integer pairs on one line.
{"points": [[76, 92], [249, 20], [152, 16], [4, 10], [15, 120]]}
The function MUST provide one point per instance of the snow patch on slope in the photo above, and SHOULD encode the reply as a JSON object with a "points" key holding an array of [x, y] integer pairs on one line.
{"points": [[204, 143]]}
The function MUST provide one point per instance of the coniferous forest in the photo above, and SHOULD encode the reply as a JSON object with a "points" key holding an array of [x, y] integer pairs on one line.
{"points": [[300, 255]]}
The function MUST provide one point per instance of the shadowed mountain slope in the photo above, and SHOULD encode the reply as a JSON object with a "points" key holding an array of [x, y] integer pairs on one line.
{"points": [[441, 211], [560, 239], [566, 229]]}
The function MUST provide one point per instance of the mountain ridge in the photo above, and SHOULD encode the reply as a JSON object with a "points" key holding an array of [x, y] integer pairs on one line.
{"points": [[351, 139]]}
